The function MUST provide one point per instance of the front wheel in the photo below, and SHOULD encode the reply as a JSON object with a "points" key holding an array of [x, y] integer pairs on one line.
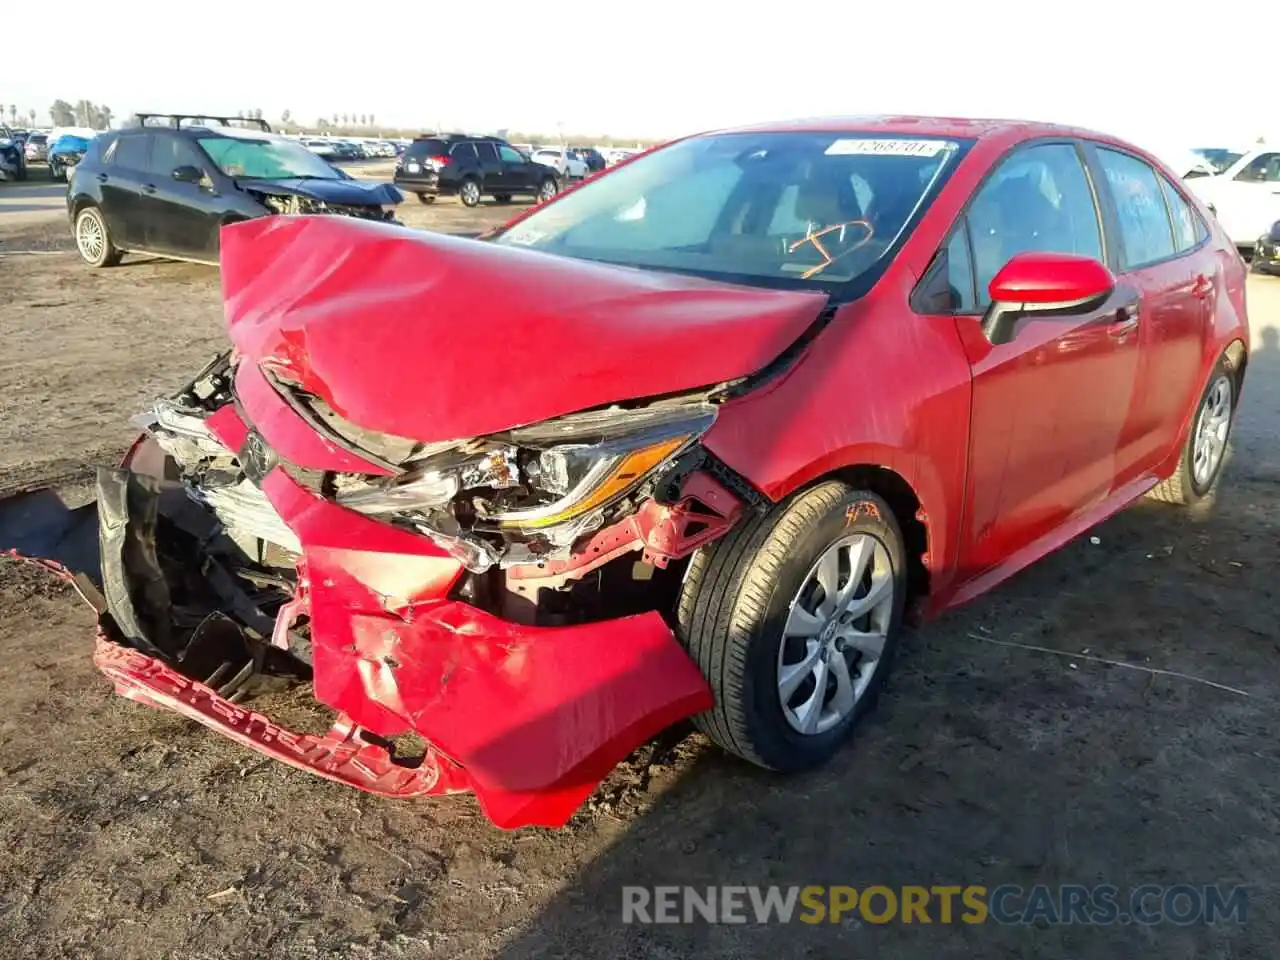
{"points": [[793, 617], [547, 189], [1206, 447], [92, 239], [469, 192]]}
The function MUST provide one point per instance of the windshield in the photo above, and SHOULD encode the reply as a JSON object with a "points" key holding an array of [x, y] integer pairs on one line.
{"points": [[776, 206], [1217, 158], [262, 159]]}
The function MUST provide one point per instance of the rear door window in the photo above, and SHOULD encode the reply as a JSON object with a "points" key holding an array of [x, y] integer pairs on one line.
{"points": [[464, 152], [133, 152], [1144, 218], [488, 152], [1188, 228]]}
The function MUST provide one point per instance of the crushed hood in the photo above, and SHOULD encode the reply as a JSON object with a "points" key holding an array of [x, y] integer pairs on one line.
{"points": [[348, 192], [432, 337]]}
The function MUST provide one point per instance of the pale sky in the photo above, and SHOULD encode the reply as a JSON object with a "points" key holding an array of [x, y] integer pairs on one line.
{"points": [[654, 67]]}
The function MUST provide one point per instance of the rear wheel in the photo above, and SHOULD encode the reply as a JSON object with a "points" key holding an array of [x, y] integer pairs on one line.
{"points": [[793, 617], [1206, 447], [426, 198], [469, 192], [93, 240]]}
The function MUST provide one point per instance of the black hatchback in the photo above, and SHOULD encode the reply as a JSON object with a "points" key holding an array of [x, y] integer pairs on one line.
{"points": [[168, 190], [471, 167]]}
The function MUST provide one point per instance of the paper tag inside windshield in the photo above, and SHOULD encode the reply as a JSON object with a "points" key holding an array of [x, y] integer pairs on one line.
{"points": [[888, 148]]}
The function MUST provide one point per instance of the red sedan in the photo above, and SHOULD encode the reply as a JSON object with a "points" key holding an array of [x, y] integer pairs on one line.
{"points": [[692, 439]]}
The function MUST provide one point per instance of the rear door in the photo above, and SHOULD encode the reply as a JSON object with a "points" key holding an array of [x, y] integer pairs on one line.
{"points": [[1164, 254], [1049, 407], [121, 179], [493, 174], [180, 218]]}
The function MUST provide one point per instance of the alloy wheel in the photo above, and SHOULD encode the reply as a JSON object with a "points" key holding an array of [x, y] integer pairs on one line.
{"points": [[91, 236], [1212, 427], [835, 633]]}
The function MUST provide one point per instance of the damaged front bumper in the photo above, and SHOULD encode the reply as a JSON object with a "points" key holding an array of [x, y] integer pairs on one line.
{"points": [[529, 718]]}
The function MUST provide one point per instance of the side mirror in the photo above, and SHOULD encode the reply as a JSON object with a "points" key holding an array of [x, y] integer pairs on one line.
{"points": [[188, 174], [1047, 284]]}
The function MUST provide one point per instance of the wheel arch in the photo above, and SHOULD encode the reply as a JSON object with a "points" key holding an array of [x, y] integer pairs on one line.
{"points": [[1237, 358], [81, 201], [912, 518]]}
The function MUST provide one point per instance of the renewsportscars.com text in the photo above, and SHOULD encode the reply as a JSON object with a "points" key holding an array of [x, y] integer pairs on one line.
{"points": [[1008, 904]]}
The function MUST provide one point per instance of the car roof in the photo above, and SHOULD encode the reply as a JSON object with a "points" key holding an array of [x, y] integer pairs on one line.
{"points": [[903, 125]]}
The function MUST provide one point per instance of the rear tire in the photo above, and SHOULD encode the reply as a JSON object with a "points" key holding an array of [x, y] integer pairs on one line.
{"points": [[93, 240], [1205, 450], [426, 198], [547, 189], [469, 192], [745, 616]]}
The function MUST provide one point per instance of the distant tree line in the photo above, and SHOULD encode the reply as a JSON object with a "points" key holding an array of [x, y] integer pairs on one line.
{"points": [[84, 113]]}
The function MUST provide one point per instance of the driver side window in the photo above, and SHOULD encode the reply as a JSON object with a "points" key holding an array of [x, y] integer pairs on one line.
{"points": [[509, 155], [1040, 199]]}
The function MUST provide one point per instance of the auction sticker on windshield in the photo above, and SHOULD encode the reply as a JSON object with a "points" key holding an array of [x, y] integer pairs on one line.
{"points": [[888, 148]]}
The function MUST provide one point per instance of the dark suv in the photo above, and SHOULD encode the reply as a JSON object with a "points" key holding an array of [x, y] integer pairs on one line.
{"points": [[471, 167], [167, 189]]}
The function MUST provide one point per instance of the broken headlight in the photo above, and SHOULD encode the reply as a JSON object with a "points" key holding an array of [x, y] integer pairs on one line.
{"points": [[541, 487]]}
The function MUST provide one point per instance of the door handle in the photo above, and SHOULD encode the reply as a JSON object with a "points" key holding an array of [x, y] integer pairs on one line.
{"points": [[1125, 321], [1202, 288]]}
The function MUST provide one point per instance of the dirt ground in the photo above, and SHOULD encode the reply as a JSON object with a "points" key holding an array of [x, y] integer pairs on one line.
{"points": [[130, 833]]}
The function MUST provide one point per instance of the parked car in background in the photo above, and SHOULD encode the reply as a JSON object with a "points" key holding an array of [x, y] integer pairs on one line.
{"points": [[777, 392], [1266, 251], [320, 147], [617, 156], [1214, 160], [592, 157], [65, 153], [471, 167], [169, 191], [562, 161], [37, 148], [13, 157], [1244, 194]]}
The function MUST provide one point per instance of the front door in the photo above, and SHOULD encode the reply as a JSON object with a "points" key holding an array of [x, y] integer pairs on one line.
{"points": [[1050, 407], [182, 218], [519, 175]]}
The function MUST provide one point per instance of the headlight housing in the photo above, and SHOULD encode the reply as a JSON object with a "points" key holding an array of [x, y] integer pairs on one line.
{"points": [[526, 494]]}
